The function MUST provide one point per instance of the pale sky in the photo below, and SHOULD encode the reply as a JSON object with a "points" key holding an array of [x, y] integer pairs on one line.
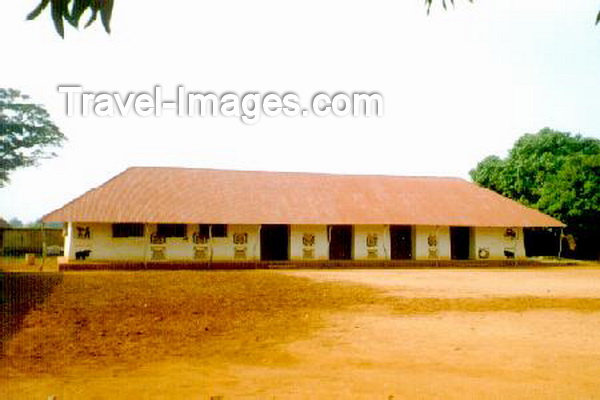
{"points": [[457, 85]]}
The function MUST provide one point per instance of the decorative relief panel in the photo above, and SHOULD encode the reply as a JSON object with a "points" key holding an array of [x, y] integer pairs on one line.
{"points": [[510, 234], [158, 253], [239, 252], [155, 239], [83, 232], [308, 253], [510, 238], [197, 239], [372, 240], [240, 238], [483, 252], [200, 252], [308, 239], [432, 242]]}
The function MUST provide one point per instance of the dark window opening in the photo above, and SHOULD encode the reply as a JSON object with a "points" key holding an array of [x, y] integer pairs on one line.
{"points": [[204, 231], [171, 230], [127, 230], [219, 230]]}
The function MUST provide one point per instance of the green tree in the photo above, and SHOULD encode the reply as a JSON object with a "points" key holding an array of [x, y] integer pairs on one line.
{"points": [[574, 192], [26, 133], [15, 223], [557, 173]]}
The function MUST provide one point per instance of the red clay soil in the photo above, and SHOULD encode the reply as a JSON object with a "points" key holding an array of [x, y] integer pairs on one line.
{"points": [[449, 334]]}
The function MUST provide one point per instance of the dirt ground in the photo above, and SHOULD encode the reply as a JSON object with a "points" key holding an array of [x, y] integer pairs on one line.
{"points": [[17, 264], [387, 334]]}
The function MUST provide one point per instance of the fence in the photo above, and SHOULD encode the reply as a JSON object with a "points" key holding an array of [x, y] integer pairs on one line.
{"points": [[18, 241]]}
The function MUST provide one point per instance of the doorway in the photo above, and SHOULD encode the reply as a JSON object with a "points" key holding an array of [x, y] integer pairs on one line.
{"points": [[401, 242], [274, 242], [340, 242], [460, 242]]}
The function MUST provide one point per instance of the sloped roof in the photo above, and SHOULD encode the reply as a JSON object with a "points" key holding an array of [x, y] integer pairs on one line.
{"points": [[186, 195]]}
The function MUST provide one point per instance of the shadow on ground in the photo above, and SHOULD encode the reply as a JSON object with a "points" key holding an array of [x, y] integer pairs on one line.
{"points": [[19, 294]]}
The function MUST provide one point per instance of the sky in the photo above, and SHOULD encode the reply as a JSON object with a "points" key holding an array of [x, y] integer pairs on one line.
{"points": [[457, 85]]}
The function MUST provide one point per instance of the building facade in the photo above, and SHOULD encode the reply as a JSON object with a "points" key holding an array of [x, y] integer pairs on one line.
{"points": [[185, 242], [198, 215]]}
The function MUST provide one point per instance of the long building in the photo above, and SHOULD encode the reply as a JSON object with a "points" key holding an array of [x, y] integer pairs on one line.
{"points": [[152, 214]]}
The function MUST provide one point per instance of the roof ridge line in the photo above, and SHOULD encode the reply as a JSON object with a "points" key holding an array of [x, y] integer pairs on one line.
{"points": [[300, 172]]}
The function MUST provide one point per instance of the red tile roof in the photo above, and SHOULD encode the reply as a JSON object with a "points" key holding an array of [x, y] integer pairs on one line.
{"points": [[185, 195]]}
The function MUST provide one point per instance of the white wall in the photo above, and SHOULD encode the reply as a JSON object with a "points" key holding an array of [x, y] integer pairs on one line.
{"points": [[379, 252], [422, 248], [104, 247], [494, 241], [299, 251]]}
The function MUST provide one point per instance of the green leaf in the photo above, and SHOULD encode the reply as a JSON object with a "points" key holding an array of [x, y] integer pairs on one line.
{"points": [[58, 8], [77, 10], [38, 10], [106, 14], [92, 17]]}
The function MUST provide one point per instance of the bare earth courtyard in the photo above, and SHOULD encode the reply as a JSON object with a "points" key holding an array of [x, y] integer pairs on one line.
{"points": [[372, 334]]}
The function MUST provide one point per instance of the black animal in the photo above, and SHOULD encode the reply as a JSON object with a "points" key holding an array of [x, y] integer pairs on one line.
{"points": [[82, 254], [509, 254]]}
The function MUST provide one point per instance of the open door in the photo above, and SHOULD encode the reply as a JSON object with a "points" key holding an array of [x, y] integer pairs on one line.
{"points": [[340, 242], [401, 242], [460, 242], [274, 242]]}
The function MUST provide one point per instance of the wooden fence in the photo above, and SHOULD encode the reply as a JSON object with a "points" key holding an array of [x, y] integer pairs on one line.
{"points": [[18, 241]]}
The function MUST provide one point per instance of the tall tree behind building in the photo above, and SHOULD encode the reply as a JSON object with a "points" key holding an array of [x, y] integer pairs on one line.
{"points": [[557, 173]]}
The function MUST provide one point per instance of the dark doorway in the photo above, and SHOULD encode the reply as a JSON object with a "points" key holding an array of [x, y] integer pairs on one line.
{"points": [[542, 241], [340, 242], [460, 242], [274, 242], [401, 238]]}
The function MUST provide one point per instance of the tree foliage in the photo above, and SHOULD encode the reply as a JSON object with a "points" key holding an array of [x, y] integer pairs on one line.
{"points": [[555, 172], [15, 223], [71, 11], [429, 3], [26, 133]]}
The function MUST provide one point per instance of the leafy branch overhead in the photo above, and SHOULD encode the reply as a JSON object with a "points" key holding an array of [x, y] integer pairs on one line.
{"points": [[71, 11], [429, 3]]}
